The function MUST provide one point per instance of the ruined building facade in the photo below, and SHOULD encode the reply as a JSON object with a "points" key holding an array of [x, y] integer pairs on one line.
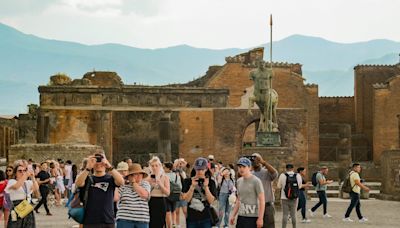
{"points": [[209, 116]]}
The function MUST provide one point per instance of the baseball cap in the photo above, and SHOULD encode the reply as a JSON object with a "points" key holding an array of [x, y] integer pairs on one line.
{"points": [[211, 157], [244, 162], [289, 166], [200, 163], [122, 166]]}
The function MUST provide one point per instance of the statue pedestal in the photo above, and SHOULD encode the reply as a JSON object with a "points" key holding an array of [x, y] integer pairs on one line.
{"points": [[268, 139]]}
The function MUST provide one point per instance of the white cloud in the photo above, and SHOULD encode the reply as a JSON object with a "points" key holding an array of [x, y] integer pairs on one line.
{"points": [[203, 23]]}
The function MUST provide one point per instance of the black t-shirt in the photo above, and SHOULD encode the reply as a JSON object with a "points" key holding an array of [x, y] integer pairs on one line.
{"points": [[194, 215], [43, 175], [100, 205]]}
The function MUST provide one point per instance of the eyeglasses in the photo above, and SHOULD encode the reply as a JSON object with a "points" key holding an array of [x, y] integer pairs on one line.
{"points": [[22, 170]]}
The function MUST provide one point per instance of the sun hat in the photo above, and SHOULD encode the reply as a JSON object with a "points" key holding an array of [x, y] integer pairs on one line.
{"points": [[122, 166], [136, 168]]}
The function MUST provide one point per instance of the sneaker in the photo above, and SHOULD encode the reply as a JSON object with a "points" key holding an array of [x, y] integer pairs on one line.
{"points": [[311, 212], [363, 220], [49, 214], [348, 219], [327, 216], [305, 220]]}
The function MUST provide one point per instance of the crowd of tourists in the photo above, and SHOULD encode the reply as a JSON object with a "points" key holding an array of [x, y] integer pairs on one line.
{"points": [[206, 193]]}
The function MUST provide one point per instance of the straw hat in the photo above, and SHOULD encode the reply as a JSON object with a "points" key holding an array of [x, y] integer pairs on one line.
{"points": [[136, 168]]}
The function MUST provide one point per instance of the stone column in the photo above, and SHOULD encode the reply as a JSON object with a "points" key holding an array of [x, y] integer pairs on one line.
{"points": [[7, 144], [164, 135], [104, 132], [398, 130], [344, 149]]}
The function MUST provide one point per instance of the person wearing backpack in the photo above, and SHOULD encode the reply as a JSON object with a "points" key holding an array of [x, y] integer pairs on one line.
{"points": [[321, 185], [175, 184], [356, 185], [290, 184], [226, 186]]}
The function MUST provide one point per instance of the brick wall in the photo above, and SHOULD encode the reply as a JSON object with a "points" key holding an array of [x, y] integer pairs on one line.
{"points": [[386, 111], [336, 110]]}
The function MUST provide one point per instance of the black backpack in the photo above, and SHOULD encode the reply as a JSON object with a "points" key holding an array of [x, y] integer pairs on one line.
{"points": [[291, 187], [314, 181], [174, 190]]}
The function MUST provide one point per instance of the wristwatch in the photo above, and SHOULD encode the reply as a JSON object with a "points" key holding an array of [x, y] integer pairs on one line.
{"points": [[89, 170], [110, 169]]}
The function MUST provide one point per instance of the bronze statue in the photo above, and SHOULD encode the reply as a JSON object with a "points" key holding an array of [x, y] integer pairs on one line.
{"points": [[265, 97]]}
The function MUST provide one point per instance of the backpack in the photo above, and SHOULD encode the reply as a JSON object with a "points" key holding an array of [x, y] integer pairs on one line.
{"points": [[174, 190], [346, 187], [314, 181], [291, 187]]}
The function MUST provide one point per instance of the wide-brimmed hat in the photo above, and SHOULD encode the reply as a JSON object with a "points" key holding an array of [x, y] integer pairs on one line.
{"points": [[136, 168]]}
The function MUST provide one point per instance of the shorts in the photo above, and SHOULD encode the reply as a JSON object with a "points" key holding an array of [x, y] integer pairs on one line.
{"points": [[181, 203], [170, 205]]}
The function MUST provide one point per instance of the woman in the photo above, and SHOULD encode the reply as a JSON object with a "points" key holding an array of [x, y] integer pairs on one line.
{"points": [[133, 208], [60, 188], [171, 205], [200, 192], [303, 195], [179, 168], [226, 188], [3, 184], [159, 183], [9, 175], [20, 189]]}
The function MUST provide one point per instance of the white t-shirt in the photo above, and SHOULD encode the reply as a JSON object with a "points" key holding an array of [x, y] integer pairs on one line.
{"points": [[68, 171], [19, 194]]}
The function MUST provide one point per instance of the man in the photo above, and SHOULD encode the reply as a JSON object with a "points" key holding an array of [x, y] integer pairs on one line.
{"points": [[355, 182], [128, 160], [99, 206], [200, 192], [44, 181], [290, 184], [322, 185], [267, 174], [67, 175], [250, 202]]}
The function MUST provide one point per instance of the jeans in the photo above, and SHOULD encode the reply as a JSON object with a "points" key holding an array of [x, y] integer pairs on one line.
{"points": [[206, 223], [302, 203], [355, 202], [322, 200], [224, 208], [289, 206], [122, 223]]}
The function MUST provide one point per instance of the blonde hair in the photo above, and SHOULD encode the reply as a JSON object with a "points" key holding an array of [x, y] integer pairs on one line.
{"points": [[157, 160]]}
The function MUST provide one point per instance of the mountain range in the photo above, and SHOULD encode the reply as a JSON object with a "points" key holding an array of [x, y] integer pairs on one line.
{"points": [[27, 61]]}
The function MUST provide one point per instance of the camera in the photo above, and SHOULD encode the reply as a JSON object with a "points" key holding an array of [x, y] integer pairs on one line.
{"points": [[250, 157], [98, 159], [153, 176], [200, 181]]}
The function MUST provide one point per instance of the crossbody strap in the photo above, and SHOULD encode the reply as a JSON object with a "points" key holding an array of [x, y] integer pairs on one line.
{"points": [[86, 194]]}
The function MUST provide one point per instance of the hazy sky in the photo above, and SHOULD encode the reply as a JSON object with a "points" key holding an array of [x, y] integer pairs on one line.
{"points": [[201, 23]]}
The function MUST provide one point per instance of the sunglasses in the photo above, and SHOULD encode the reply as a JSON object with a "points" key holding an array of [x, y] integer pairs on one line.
{"points": [[9, 170], [22, 170]]}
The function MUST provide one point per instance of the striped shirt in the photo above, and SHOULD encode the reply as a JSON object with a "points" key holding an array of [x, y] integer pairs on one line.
{"points": [[131, 206]]}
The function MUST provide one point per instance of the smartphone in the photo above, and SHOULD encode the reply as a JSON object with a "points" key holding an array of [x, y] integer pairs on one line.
{"points": [[153, 176]]}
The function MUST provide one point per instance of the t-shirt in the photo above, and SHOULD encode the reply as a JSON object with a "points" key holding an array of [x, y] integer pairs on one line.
{"points": [[174, 177], [319, 187], [192, 214], [353, 177], [100, 205], [43, 175], [68, 171], [227, 186], [19, 194], [266, 179], [282, 182], [248, 191], [131, 206]]}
